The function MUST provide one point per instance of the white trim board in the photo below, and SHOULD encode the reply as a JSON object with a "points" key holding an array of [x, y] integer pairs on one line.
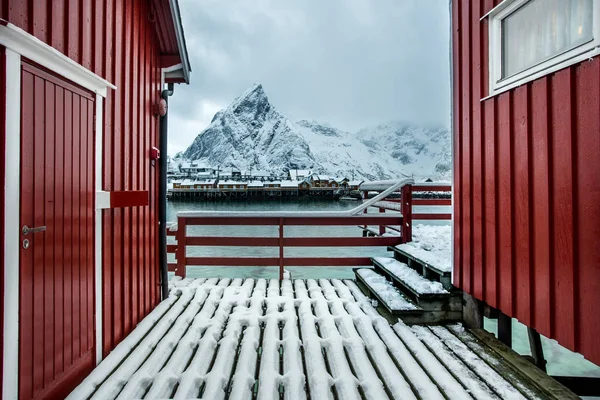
{"points": [[185, 67], [30, 47], [10, 378], [575, 60], [98, 231]]}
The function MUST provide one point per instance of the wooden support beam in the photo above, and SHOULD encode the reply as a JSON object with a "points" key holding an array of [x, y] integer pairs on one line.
{"points": [[181, 247], [281, 269], [537, 352], [490, 312], [472, 312], [505, 329]]}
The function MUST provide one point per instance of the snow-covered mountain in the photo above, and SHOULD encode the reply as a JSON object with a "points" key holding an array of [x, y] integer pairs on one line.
{"points": [[251, 134]]}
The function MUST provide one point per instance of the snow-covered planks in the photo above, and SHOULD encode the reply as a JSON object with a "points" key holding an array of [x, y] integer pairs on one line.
{"points": [[385, 292], [258, 339], [409, 277]]}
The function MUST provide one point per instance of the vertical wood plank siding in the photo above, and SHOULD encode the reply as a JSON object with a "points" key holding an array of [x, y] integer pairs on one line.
{"points": [[117, 40], [56, 337], [527, 189]]}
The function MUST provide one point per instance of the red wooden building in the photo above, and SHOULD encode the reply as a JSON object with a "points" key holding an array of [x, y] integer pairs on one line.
{"points": [[81, 86], [526, 115]]}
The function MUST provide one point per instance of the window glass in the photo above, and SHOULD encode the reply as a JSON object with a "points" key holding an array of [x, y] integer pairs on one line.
{"points": [[542, 29]]}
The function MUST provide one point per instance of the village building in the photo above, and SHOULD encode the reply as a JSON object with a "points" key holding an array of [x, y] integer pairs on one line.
{"points": [[260, 175], [194, 168], [290, 185], [354, 185], [232, 186], [205, 184], [255, 185], [272, 184], [299, 174], [304, 185]]}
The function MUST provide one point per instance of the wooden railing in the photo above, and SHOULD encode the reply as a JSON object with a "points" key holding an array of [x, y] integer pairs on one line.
{"points": [[405, 204], [399, 220], [280, 220]]}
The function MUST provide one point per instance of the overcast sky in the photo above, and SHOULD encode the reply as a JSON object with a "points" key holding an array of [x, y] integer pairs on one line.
{"points": [[350, 63]]}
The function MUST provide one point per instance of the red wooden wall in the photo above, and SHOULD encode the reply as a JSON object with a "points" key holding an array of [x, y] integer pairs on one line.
{"points": [[117, 40], [527, 189]]}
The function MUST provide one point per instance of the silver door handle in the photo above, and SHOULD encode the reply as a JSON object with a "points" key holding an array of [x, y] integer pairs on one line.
{"points": [[27, 230]]}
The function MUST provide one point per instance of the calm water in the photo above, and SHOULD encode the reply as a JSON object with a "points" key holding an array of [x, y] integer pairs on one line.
{"points": [[272, 231]]}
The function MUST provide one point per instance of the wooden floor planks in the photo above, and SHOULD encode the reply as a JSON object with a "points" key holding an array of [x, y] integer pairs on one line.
{"points": [[265, 339]]}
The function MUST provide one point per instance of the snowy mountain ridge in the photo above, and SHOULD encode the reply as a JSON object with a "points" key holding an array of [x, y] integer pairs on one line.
{"points": [[251, 134]]}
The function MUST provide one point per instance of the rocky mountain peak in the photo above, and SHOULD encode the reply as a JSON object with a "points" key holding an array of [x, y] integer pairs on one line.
{"points": [[253, 103], [251, 134]]}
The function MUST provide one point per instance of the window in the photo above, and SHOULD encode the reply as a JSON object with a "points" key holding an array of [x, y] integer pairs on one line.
{"points": [[532, 38]]}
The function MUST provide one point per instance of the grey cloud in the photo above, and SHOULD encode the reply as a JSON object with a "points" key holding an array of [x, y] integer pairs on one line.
{"points": [[351, 63]]}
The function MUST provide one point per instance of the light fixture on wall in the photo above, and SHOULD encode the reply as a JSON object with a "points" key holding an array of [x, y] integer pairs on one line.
{"points": [[160, 108]]}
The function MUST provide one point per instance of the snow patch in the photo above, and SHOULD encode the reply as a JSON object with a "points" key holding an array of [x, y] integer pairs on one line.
{"points": [[431, 244]]}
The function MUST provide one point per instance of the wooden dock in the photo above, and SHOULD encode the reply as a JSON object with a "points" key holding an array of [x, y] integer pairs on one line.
{"points": [[259, 339]]}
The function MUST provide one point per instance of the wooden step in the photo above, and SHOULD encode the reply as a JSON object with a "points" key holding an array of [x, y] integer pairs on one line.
{"points": [[388, 295], [429, 310], [429, 295], [428, 270]]}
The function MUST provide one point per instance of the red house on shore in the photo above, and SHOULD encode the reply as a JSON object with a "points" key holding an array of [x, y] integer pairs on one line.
{"points": [[526, 115], [81, 85]]}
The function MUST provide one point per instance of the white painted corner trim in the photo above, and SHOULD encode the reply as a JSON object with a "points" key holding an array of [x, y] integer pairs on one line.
{"points": [[10, 379], [98, 264], [28, 46]]}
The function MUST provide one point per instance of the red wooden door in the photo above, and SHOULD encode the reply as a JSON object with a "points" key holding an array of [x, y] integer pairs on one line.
{"points": [[56, 305]]}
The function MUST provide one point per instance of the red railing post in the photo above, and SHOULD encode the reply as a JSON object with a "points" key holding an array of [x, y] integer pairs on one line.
{"points": [[406, 213], [181, 244], [281, 270], [381, 227]]}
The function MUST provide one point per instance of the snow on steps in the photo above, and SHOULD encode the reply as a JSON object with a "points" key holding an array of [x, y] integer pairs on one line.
{"points": [[385, 292], [429, 252], [247, 339], [409, 278], [441, 305], [435, 304]]}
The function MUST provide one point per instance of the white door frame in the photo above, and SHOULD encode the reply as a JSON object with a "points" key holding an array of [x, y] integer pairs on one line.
{"points": [[19, 43]]}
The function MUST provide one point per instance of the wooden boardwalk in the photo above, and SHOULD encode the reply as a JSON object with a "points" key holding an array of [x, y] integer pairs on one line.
{"points": [[246, 339]]}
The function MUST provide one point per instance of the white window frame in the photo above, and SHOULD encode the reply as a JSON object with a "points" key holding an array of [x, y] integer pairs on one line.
{"points": [[575, 55]]}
